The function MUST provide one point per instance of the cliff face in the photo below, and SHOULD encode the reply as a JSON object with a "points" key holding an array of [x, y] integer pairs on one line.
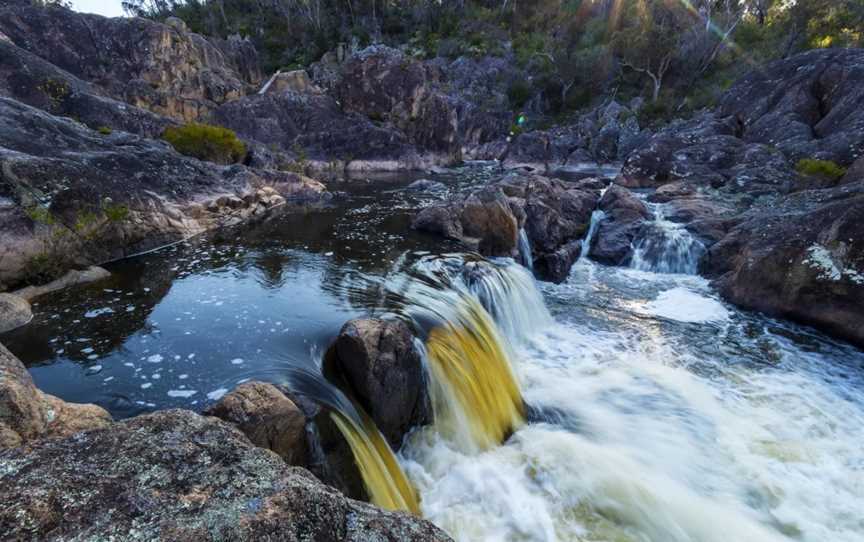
{"points": [[160, 67]]}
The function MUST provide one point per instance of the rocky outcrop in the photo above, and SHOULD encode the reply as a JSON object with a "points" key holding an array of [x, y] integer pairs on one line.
{"points": [[378, 364], [625, 216], [554, 214], [27, 414], [705, 152], [71, 196], [807, 106], [162, 68], [268, 418], [606, 134], [311, 130], [175, 475], [799, 258]]}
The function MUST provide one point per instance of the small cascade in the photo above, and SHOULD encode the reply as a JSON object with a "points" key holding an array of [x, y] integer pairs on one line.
{"points": [[468, 311], [384, 479], [596, 217], [525, 255], [666, 247], [469, 363]]}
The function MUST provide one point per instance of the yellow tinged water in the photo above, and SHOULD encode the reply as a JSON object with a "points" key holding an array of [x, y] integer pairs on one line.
{"points": [[471, 368], [385, 481]]}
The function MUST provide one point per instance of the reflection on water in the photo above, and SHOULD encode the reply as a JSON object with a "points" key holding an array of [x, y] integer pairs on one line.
{"points": [[181, 326], [654, 412]]}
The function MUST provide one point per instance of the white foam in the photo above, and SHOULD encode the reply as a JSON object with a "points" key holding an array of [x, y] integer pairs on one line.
{"points": [[98, 312], [181, 393], [685, 305], [215, 395], [155, 358]]}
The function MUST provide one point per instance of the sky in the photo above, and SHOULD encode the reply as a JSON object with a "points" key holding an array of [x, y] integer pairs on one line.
{"points": [[109, 8]]}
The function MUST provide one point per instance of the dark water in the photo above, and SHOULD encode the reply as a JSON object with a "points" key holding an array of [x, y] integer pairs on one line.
{"points": [[180, 326]]}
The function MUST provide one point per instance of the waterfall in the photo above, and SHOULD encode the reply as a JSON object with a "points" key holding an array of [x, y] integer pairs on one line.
{"points": [[597, 216], [666, 247], [384, 479], [468, 311], [525, 255]]}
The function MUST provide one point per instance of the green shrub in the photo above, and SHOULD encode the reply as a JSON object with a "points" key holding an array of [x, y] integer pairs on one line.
{"points": [[40, 214], [519, 93], [822, 168], [115, 212], [104, 130], [43, 268], [206, 142]]}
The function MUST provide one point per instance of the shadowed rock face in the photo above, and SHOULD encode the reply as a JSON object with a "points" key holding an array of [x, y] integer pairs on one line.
{"points": [[175, 475], [27, 414], [162, 68], [60, 180], [800, 258]]}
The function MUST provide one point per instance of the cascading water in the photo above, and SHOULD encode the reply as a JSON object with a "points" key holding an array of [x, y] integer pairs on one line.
{"points": [[384, 479], [596, 217], [475, 393], [666, 247], [525, 254]]}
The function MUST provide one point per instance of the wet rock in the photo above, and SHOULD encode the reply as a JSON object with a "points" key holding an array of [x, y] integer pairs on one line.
{"points": [[625, 217], [798, 258], [175, 475], [807, 106], [384, 372], [484, 221], [425, 185], [27, 414], [671, 191], [76, 197], [267, 417], [554, 214], [162, 68], [14, 312]]}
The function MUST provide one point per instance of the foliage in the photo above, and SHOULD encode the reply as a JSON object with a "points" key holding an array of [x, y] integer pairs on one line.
{"points": [[206, 142], [104, 130], [575, 51], [821, 168]]}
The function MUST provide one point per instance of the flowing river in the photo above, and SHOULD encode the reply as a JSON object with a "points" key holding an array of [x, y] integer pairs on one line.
{"points": [[625, 404]]}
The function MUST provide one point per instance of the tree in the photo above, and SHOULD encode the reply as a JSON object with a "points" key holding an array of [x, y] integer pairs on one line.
{"points": [[649, 39]]}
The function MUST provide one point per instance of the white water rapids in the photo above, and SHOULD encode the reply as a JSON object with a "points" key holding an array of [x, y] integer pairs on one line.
{"points": [[657, 414]]}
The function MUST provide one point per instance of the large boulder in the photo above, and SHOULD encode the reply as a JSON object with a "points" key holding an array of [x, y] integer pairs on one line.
{"points": [[799, 258], [175, 475], [807, 106], [383, 370], [15, 312], [27, 414], [71, 196], [484, 221], [267, 417], [163, 68], [625, 217], [557, 217]]}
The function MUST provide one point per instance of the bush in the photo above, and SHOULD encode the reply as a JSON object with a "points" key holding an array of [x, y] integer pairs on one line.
{"points": [[104, 130], [821, 168], [206, 142], [519, 93]]}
